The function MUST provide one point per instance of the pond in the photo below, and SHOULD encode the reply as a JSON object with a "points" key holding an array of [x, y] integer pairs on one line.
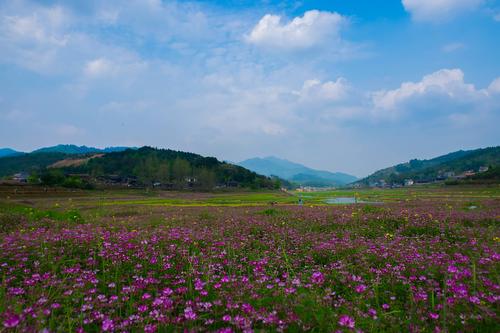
{"points": [[347, 201]]}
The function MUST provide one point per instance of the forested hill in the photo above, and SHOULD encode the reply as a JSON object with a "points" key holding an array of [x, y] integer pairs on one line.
{"points": [[144, 166], [437, 168]]}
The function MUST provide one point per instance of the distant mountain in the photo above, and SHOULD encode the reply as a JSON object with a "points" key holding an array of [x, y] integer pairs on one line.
{"points": [[437, 168], [29, 163], [4, 152], [74, 149], [297, 173]]}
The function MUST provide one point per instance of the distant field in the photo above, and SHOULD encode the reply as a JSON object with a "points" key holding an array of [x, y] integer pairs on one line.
{"points": [[417, 259], [245, 198]]}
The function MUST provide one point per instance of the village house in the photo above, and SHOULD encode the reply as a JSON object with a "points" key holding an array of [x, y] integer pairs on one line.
{"points": [[21, 177], [483, 169], [409, 182]]}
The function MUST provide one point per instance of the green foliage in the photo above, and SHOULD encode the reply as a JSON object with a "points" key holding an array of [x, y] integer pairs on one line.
{"points": [[28, 162], [427, 170], [52, 177], [56, 177], [175, 168]]}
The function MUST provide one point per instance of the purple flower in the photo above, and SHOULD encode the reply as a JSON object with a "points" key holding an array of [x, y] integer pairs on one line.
{"points": [[150, 328], [433, 315], [346, 321], [360, 288], [385, 306], [474, 300], [189, 314], [12, 321], [317, 278], [167, 292], [108, 325], [226, 318]]}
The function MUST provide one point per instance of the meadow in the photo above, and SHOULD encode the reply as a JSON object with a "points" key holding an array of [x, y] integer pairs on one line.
{"points": [[424, 259]]}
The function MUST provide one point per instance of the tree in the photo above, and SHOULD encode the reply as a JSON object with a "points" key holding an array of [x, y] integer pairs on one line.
{"points": [[180, 170], [52, 177], [206, 179], [162, 173]]}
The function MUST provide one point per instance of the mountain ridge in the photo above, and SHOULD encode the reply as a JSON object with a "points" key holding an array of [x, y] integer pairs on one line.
{"points": [[295, 172], [74, 149], [4, 152]]}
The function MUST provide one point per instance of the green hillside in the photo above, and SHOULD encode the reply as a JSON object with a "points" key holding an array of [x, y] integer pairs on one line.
{"points": [[5, 152], [437, 168], [34, 162], [138, 167]]}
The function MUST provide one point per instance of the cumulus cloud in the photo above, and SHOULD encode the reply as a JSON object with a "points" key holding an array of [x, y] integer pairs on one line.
{"points": [[446, 82], [436, 10], [440, 92], [309, 30]]}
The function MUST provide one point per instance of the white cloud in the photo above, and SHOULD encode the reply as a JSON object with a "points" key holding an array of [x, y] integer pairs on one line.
{"points": [[437, 10], [43, 26], [494, 87], [313, 28], [328, 91], [497, 17], [99, 67], [32, 37], [449, 82]]}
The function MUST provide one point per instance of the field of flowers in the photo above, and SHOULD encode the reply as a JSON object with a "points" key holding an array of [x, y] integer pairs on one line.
{"points": [[408, 266]]}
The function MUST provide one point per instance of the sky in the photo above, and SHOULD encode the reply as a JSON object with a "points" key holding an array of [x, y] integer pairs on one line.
{"points": [[351, 86]]}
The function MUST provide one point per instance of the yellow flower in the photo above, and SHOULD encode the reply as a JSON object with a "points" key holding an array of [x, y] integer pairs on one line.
{"points": [[496, 239]]}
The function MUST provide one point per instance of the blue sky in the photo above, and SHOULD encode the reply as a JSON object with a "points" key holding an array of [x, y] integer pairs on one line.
{"points": [[349, 86]]}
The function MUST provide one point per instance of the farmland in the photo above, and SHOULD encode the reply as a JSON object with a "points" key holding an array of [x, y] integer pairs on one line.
{"points": [[421, 260]]}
